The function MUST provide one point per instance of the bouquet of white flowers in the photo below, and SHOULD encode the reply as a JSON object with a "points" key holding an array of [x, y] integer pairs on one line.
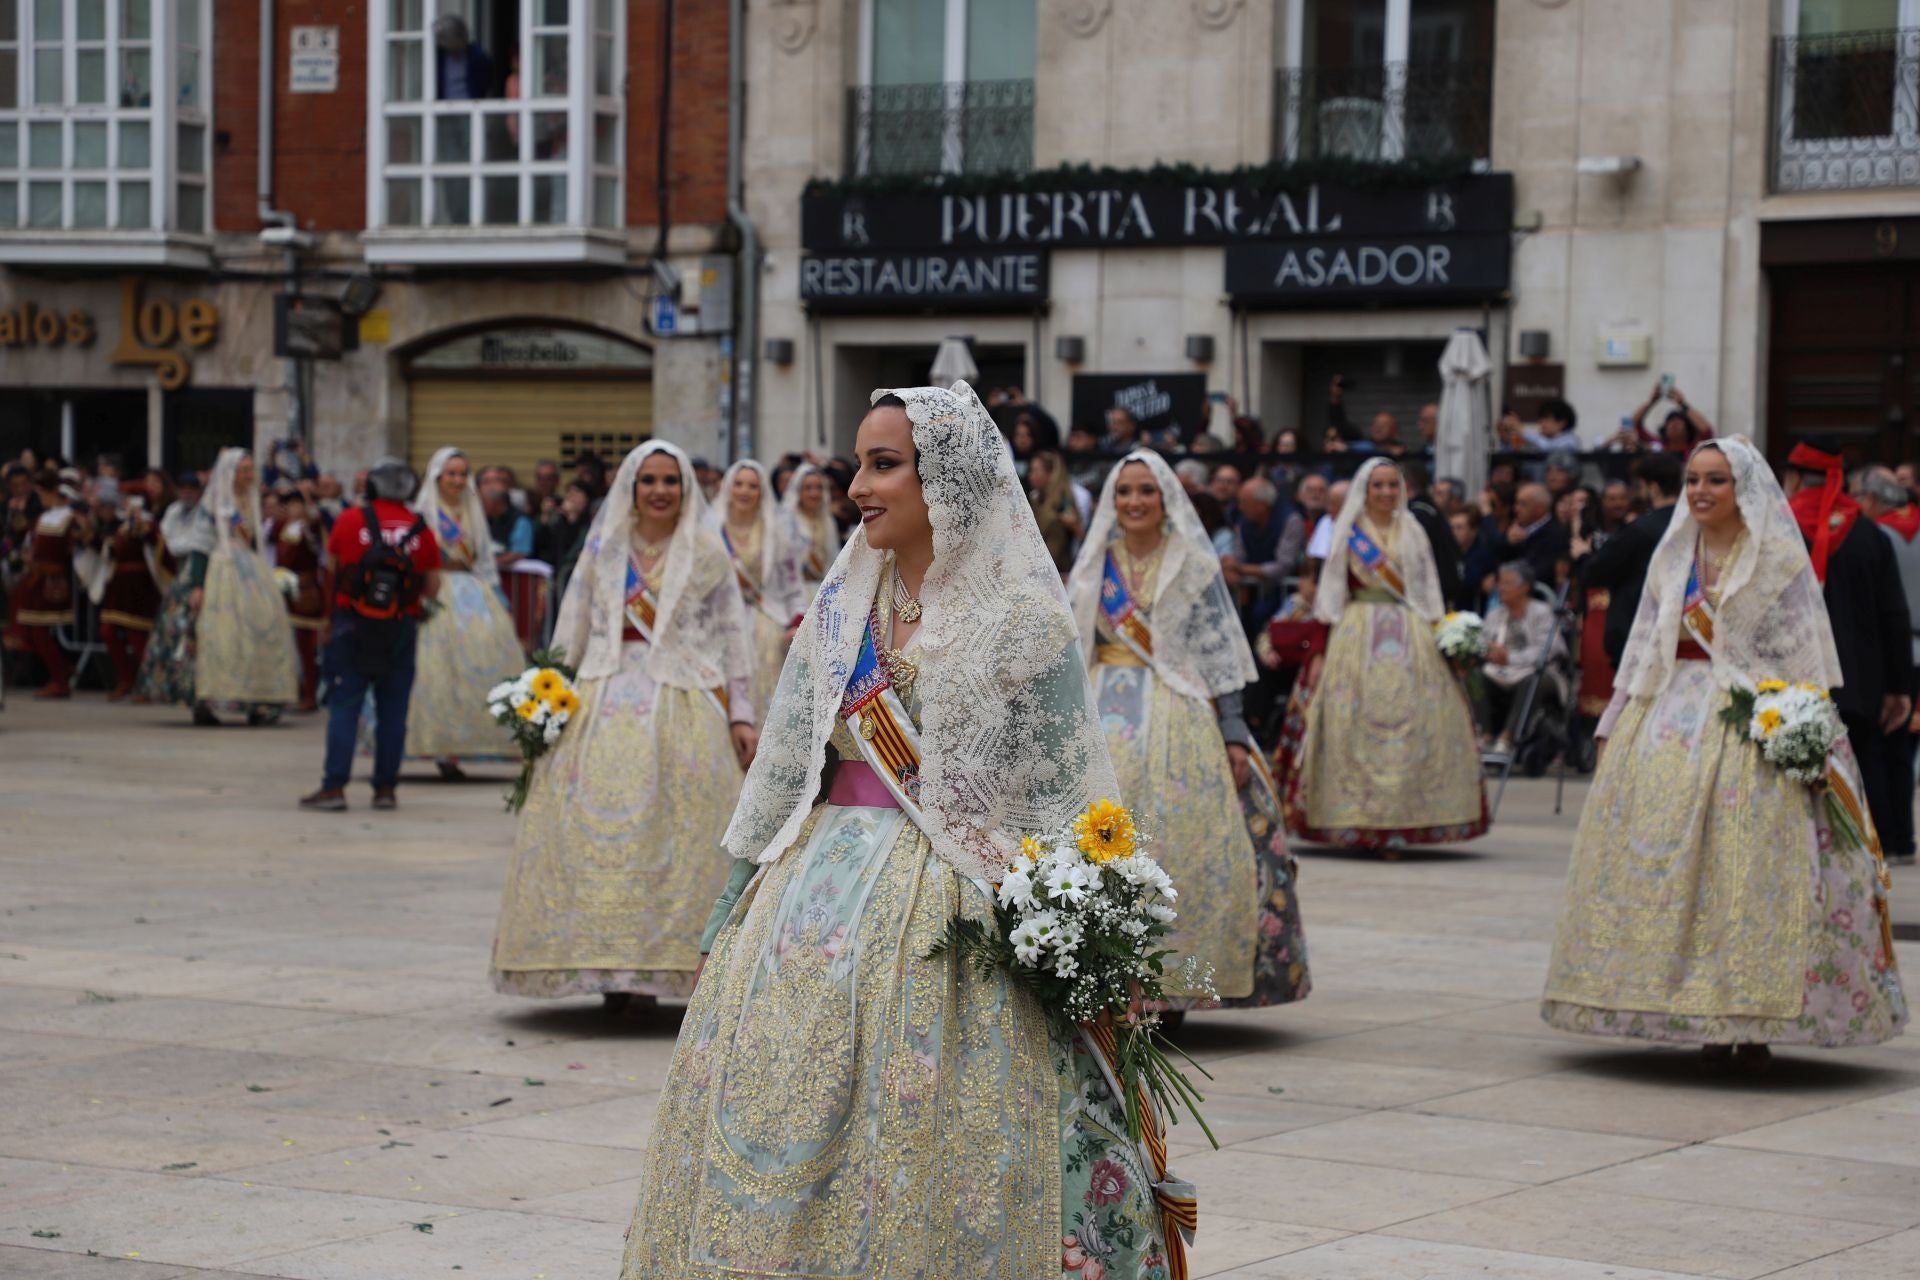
{"points": [[1078, 919], [536, 705], [287, 581], [1795, 726], [1461, 638]]}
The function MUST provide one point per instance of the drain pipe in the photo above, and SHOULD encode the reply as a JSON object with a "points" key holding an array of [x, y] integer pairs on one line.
{"points": [[746, 321], [267, 214]]}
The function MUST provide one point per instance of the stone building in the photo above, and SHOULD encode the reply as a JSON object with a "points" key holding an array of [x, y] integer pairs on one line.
{"points": [[1170, 202], [454, 238]]}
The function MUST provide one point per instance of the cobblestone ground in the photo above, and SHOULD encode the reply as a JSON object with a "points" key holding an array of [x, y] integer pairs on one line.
{"points": [[241, 1040]]}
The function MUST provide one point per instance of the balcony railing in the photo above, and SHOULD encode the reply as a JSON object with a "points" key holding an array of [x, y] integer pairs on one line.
{"points": [[1394, 111], [980, 126], [1846, 111]]}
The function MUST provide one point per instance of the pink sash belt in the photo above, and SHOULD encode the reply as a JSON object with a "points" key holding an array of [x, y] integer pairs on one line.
{"points": [[857, 786]]}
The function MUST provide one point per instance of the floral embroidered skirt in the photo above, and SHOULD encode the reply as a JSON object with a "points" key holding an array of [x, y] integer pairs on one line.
{"points": [[1384, 751], [466, 648], [166, 672], [841, 1105], [1225, 849], [618, 860], [1705, 900], [242, 641]]}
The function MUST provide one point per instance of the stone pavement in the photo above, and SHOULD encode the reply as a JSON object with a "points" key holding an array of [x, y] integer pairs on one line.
{"points": [[241, 1040]]}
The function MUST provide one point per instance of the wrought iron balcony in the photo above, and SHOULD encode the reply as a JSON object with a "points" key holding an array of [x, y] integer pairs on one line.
{"points": [[980, 126], [1846, 111], [1390, 111]]}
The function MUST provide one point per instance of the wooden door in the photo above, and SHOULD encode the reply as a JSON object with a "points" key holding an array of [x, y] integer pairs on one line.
{"points": [[1844, 363]]}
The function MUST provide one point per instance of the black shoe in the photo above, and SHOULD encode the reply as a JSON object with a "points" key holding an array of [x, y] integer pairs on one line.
{"points": [[450, 771], [263, 715], [383, 798], [325, 801], [203, 717]]}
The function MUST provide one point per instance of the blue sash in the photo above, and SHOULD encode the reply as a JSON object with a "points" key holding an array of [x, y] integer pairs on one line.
{"points": [[642, 612], [878, 720], [1695, 612], [449, 530], [1122, 614], [1374, 558]]}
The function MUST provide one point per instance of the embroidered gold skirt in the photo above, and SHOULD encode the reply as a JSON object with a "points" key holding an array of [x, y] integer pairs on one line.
{"points": [[769, 655], [466, 648], [1705, 900], [242, 642], [618, 859]]}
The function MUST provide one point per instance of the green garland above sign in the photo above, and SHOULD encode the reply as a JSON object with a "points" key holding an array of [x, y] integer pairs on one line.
{"points": [[1371, 175]]}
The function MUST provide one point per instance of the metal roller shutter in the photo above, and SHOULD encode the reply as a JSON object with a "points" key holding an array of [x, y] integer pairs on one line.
{"points": [[516, 422]]}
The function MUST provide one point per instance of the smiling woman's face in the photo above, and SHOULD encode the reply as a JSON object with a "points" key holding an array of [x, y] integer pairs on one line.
{"points": [[1137, 503], [743, 494], [887, 487], [1710, 495], [656, 489]]}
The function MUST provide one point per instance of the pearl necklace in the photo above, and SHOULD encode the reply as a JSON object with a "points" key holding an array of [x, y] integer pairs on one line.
{"points": [[904, 604]]}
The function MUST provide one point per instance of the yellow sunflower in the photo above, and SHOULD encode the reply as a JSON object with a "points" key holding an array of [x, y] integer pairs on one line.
{"points": [[1772, 686], [566, 700], [527, 709], [1769, 721], [1104, 832], [548, 683], [1032, 849]]}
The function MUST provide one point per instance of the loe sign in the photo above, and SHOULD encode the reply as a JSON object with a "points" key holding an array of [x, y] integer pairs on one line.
{"points": [[909, 281]]}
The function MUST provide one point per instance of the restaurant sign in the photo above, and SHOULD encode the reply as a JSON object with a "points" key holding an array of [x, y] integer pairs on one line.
{"points": [[932, 280], [1408, 269]]}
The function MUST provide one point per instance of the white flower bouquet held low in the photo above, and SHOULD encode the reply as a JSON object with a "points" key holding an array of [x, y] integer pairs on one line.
{"points": [[1461, 638], [1078, 919], [287, 581], [535, 706], [1795, 726]]}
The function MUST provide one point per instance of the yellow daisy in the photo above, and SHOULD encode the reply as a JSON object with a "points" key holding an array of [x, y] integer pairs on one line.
{"points": [[1104, 832], [1032, 849], [548, 683], [527, 709], [1772, 686], [566, 700], [1769, 721]]}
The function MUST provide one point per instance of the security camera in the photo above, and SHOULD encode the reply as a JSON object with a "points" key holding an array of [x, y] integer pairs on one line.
{"points": [[666, 279]]}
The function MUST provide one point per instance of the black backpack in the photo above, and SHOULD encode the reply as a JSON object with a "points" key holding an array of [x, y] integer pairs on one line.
{"points": [[383, 584]]}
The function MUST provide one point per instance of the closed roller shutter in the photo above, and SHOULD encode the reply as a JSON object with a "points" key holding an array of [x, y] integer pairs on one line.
{"points": [[514, 422]]}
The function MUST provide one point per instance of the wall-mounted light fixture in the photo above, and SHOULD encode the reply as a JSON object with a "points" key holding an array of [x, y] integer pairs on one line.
{"points": [[1069, 349], [779, 351]]}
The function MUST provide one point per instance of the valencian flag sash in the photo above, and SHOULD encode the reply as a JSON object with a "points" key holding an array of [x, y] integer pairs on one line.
{"points": [[1842, 778], [1122, 614], [643, 611], [1374, 559], [878, 720], [449, 529], [1175, 1198], [755, 598]]}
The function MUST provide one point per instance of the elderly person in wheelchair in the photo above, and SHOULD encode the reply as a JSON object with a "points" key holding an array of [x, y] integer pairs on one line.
{"points": [[1524, 645]]}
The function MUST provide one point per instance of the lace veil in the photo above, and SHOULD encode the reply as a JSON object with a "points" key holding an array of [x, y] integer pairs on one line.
{"points": [[1009, 740], [779, 567], [1199, 647], [1772, 616], [1407, 545], [700, 630], [817, 532], [219, 500], [470, 515]]}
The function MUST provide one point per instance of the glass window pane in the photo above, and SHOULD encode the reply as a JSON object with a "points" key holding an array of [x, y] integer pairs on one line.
{"points": [[603, 15], [189, 73], [136, 206], [9, 77], [136, 21], [452, 139], [549, 135], [1000, 37], [909, 41], [90, 76], [502, 200], [452, 202], [90, 144], [136, 150], [550, 67], [9, 204], [9, 23], [136, 78], [500, 131], [43, 145], [90, 20], [47, 85], [553, 13], [603, 68], [192, 202], [403, 140], [46, 20], [189, 22], [606, 202], [9, 145], [606, 140], [43, 204], [405, 15], [403, 71], [192, 159], [549, 198], [403, 202], [89, 205]]}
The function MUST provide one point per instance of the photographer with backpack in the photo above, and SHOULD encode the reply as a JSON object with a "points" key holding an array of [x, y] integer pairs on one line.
{"points": [[378, 586]]}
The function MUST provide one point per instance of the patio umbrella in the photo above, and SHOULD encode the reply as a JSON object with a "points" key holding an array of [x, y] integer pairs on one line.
{"points": [[1464, 442], [953, 363]]}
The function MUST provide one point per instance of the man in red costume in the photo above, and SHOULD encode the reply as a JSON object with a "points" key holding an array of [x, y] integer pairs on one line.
{"points": [[1887, 502], [1871, 626]]}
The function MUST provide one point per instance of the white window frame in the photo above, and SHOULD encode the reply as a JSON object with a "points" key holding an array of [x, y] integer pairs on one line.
{"points": [[572, 235], [1804, 157], [953, 79], [160, 238]]}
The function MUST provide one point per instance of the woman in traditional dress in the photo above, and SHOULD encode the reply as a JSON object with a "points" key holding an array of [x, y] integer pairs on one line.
{"points": [[1709, 901], [1387, 753], [1169, 661], [808, 507], [42, 600], [242, 644], [840, 1103], [128, 540], [618, 860], [468, 644], [765, 560]]}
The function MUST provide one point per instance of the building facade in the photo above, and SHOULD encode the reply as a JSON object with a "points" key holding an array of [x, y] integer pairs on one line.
{"points": [[494, 223], [1167, 203]]}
